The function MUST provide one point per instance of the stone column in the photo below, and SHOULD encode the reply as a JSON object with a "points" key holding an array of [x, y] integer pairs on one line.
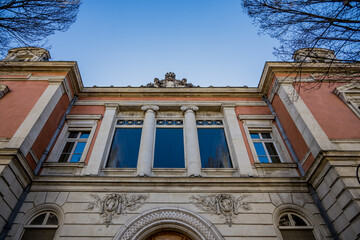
{"points": [[192, 151], [103, 139], [237, 146], [146, 151]]}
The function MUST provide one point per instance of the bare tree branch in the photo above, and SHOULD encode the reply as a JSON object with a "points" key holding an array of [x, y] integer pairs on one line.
{"points": [[30, 22]]}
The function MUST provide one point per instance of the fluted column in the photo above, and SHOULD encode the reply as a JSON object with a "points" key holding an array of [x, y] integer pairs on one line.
{"points": [[192, 151], [146, 151]]}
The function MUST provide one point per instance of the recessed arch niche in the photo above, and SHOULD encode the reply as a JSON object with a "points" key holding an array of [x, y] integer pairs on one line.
{"points": [[168, 219]]}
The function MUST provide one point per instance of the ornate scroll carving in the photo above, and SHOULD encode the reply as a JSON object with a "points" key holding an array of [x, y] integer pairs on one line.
{"points": [[221, 204], [116, 203], [170, 81]]}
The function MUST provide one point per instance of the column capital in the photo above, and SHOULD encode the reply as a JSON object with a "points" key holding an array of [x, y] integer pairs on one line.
{"points": [[185, 108], [112, 106], [150, 107]]}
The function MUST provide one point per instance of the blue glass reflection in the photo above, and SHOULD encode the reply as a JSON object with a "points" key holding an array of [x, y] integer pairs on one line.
{"points": [[169, 148], [125, 148], [260, 151], [214, 151]]}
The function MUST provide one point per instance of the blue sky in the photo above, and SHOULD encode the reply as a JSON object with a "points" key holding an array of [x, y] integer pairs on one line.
{"points": [[130, 42]]}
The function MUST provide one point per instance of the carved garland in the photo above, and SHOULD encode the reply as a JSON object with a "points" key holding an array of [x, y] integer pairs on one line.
{"points": [[221, 204], [116, 203]]}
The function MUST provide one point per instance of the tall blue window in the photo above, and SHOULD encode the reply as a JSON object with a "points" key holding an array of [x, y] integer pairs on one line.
{"points": [[169, 145], [214, 151], [124, 149]]}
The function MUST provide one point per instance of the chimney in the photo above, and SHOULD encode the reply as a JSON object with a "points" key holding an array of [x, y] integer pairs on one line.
{"points": [[27, 54], [315, 55]]}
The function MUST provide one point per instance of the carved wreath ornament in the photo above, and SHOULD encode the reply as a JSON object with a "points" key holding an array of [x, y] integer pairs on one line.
{"points": [[116, 203], [221, 204]]}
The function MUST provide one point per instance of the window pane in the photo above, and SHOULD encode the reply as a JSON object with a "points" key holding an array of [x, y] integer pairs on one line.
{"points": [[85, 135], [214, 151], [271, 148], [254, 135], [38, 220], [52, 220], [73, 134], [75, 157], [64, 157], [68, 147], [266, 135], [125, 148], [294, 234], [80, 147], [298, 221], [284, 221], [39, 234], [169, 148], [260, 151]]}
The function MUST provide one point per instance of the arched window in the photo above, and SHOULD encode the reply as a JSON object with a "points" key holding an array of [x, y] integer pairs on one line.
{"points": [[294, 227], [42, 226]]}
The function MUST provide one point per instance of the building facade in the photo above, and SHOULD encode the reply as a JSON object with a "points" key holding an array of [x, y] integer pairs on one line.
{"points": [[170, 160]]}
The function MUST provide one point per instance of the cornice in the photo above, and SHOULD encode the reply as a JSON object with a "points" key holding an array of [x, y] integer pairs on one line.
{"points": [[183, 184], [272, 68], [228, 92]]}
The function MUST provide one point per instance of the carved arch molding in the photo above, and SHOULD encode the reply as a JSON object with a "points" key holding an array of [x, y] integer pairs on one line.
{"points": [[181, 220]]}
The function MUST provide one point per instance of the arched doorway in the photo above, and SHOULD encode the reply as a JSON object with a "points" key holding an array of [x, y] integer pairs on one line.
{"points": [[168, 236], [155, 223]]}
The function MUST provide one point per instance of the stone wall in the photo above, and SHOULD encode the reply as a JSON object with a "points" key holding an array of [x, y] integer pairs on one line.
{"points": [[259, 206]]}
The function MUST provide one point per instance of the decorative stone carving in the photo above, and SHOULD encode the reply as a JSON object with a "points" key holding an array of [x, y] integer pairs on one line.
{"points": [[3, 90], [189, 107], [136, 228], [150, 107], [27, 54], [116, 203], [208, 114], [169, 114], [221, 204], [170, 81]]}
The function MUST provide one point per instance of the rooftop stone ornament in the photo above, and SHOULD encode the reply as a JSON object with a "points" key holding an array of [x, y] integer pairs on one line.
{"points": [[170, 81]]}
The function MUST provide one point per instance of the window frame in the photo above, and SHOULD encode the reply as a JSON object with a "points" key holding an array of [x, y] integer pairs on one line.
{"points": [[263, 141], [112, 134], [74, 123], [28, 224], [264, 124], [225, 128], [172, 118], [308, 226], [350, 95]]}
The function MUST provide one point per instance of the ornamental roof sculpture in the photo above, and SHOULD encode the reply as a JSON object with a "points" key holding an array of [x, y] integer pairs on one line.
{"points": [[170, 81]]}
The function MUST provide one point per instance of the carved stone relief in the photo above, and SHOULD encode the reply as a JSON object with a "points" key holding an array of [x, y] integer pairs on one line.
{"points": [[170, 81], [208, 114], [221, 204], [116, 203], [169, 114]]}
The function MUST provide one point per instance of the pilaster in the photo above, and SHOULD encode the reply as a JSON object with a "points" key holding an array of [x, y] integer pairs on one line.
{"points": [[236, 142], [102, 140]]}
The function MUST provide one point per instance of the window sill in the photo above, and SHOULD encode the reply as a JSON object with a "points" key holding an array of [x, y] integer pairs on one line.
{"points": [[119, 171], [172, 172], [67, 169], [276, 169], [275, 165], [221, 172]]}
